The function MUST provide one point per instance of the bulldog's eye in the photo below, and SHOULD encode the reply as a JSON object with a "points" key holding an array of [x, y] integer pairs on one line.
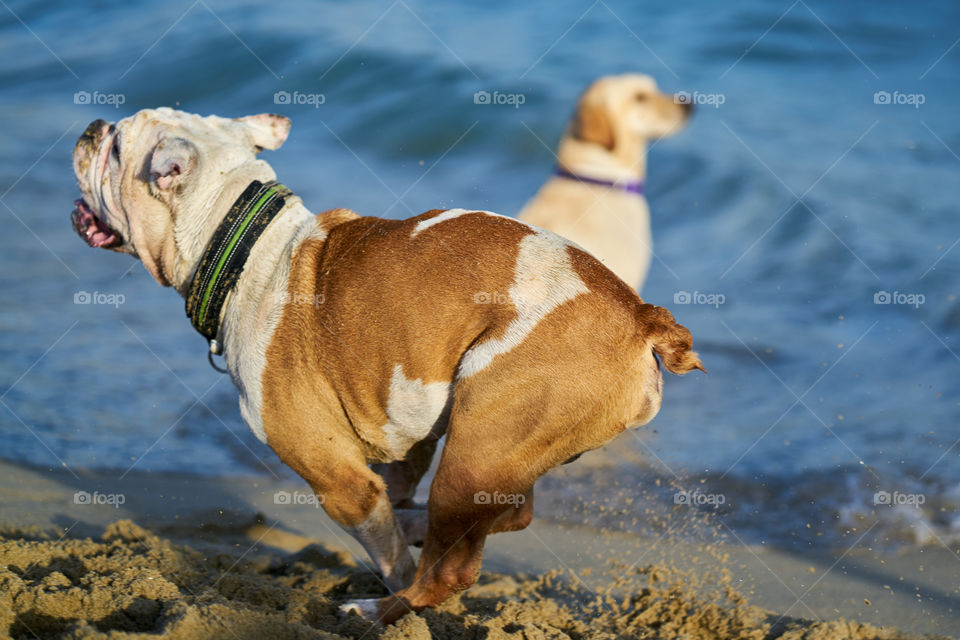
{"points": [[640, 97], [116, 148]]}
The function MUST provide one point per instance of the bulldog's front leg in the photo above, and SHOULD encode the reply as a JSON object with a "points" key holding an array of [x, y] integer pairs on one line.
{"points": [[402, 477], [353, 496], [384, 542], [383, 539]]}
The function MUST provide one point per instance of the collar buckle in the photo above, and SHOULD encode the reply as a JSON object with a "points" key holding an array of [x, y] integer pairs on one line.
{"points": [[216, 349]]}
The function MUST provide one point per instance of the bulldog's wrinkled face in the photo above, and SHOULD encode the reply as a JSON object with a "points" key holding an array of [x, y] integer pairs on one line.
{"points": [[628, 109], [149, 182]]}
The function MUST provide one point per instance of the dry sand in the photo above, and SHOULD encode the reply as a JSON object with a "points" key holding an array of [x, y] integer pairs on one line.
{"points": [[202, 564]]}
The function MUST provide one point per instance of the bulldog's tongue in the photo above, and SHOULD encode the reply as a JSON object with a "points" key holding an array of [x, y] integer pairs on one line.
{"points": [[91, 228]]}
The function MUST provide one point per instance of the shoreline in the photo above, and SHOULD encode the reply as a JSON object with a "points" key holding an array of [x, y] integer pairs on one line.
{"points": [[914, 590]]}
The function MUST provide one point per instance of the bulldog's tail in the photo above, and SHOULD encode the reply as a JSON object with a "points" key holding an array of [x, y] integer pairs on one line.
{"points": [[671, 342]]}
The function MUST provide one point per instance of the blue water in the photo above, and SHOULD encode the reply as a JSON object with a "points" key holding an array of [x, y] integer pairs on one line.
{"points": [[399, 133]]}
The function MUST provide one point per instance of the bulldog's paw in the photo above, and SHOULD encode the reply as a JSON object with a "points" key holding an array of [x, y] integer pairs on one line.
{"points": [[366, 608]]}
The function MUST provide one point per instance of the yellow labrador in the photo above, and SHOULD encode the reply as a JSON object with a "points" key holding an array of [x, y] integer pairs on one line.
{"points": [[595, 198]]}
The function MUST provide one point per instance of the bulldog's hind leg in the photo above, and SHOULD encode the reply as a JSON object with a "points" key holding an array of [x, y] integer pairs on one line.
{"points": [[518, 516], [403, 476], [497, 446], [473, 494]]}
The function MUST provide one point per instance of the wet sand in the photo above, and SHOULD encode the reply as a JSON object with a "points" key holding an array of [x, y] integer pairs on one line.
{"points": [[220, 558]]}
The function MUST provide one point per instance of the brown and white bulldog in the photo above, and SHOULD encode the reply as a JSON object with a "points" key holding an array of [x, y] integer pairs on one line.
{"points": [[357, 341]]}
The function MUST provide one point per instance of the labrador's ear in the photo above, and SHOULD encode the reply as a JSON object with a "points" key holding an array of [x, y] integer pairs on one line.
{"points": [[172, 160], [266, 130], [592, 122]]}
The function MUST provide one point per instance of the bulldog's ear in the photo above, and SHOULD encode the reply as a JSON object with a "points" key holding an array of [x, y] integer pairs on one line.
{"points": [[172, 159], [266, 130]]}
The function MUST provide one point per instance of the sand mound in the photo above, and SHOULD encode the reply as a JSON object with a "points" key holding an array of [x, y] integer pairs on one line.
{"points": [[132, 583]]}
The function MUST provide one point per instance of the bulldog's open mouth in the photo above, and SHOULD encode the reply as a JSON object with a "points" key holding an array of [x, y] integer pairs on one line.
{"points": [[95, 231]]}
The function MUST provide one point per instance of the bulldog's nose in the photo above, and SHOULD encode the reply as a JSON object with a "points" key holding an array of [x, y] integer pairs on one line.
{"points": [[94, 132]]}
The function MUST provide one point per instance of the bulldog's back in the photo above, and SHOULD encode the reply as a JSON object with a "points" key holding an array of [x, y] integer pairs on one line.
{"points": [[406, 308], [612, 225]]}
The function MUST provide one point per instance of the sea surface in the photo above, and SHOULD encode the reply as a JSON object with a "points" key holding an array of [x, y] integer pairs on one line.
{"points": [[817, 180]]}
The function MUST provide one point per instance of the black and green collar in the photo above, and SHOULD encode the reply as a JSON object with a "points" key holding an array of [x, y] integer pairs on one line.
{"points": [[224, 258]]}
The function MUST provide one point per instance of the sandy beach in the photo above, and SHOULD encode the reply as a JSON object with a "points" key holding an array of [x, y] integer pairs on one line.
{"points": [[186, 557]]}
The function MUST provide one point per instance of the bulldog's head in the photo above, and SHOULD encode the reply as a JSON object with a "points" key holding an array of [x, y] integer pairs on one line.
{"points": [[154, 184]]}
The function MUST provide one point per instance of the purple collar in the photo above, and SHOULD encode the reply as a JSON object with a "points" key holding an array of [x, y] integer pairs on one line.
{"points": [[630, 186]]}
